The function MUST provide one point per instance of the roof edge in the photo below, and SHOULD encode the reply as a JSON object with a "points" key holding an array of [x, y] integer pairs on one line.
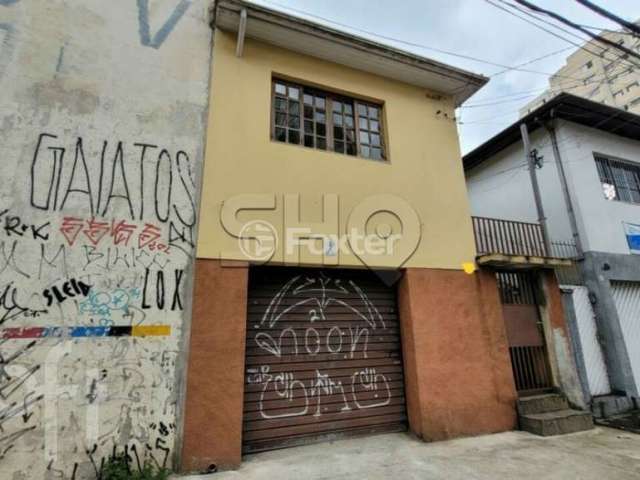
{"points": [[564, 106], [473, 81]]}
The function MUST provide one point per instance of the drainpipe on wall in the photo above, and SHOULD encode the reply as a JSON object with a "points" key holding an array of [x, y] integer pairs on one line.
{"points": [[565, 187]]}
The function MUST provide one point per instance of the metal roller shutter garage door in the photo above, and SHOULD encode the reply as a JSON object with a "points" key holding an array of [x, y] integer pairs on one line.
{"points": [[322, 357], [627, 299]]}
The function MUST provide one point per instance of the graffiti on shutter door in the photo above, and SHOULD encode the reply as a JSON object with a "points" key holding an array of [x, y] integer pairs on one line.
{"points": [[323, 357]]}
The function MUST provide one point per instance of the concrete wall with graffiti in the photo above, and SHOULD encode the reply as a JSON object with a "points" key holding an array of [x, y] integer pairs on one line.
{"points": [[101, 143]]}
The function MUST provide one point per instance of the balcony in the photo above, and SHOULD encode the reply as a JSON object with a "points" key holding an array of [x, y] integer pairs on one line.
{"points": [[513, 244]]}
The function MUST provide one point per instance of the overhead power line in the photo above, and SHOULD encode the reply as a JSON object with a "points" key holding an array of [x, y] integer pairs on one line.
{"points": [[531, 61], [417, 45], [607, 30], [582, 46], [611, 16], [576, 26]]}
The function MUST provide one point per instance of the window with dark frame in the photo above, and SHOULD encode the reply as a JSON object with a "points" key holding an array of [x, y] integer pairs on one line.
{"points": [[620, 180], [326, 121]]}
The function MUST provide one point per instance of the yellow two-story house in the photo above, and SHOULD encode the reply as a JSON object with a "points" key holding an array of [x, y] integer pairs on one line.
{"points": [[335, 291]]}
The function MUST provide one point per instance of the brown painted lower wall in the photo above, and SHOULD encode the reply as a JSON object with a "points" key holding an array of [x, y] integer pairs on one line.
{"points": [[215, 386], [457, 367]]}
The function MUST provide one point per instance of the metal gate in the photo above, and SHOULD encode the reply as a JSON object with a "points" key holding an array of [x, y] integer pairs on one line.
{"points": [[595, 366], [524, 332], [322, 358], [627, 299]]}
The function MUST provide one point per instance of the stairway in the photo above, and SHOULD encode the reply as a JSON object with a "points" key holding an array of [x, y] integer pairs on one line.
{"points": [[550, 414]]}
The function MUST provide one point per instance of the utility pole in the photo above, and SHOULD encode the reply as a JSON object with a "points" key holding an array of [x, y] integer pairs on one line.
{"points": [[565, 187], [531, 162]]}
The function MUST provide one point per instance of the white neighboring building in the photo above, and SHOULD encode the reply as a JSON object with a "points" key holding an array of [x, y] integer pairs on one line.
{"points": [[599, 149]]}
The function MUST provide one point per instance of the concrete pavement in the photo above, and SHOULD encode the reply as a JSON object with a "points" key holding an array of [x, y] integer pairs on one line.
{"points": [[597, 454]]}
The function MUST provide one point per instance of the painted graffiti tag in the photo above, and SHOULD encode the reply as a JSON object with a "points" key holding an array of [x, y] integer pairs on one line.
{"points": [[316, 319]]}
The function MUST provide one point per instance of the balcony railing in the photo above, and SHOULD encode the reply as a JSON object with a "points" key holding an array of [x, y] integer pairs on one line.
{"points": [[569, 275], [508, 237]]}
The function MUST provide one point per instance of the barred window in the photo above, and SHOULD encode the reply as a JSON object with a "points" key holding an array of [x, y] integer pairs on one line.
{"points": [[620, 180], [323, 120]]}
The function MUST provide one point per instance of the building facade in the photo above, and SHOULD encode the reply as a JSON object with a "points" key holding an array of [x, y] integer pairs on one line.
{"points": [[599, 73], [320, 145], [102, 139], [597, 152], [314, 180]]}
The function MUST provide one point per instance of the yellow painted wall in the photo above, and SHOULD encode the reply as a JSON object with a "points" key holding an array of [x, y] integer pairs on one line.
{"points": [[424, 167]]}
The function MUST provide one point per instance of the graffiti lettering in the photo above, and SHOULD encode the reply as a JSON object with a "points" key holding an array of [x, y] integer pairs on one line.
{"points": [[87, 186], [13, 225], [159, 287], [162, 34], [67, 290]]}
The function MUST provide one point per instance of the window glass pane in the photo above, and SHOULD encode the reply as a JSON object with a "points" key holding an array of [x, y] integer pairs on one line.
{"points": [[281, 118], [294, 136], [281, 104], [308, 140], [308, 111], [292, 102], [351, 135], [308, 126]]}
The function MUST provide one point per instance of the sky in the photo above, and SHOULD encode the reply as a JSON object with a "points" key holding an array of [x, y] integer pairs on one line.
{"points": [[472, 28]]}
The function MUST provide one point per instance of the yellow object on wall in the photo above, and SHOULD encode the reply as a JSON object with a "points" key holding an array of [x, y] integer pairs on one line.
{"points": [[254, 187]]}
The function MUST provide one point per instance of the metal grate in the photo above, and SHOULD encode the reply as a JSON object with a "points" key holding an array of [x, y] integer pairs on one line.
{"points": [[527, 348], [516, 288], [567, 275], [530, 368]]}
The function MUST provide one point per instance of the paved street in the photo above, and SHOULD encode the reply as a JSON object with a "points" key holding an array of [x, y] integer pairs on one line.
{"points": [[597, 454]]}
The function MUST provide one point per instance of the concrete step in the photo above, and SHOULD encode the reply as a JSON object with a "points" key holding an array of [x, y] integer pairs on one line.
{"points": [[550, 402], [609, 405], [556, 423]]}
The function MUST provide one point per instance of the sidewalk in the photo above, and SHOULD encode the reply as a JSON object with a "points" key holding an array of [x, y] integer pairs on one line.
{"points": [[597, 454]]}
